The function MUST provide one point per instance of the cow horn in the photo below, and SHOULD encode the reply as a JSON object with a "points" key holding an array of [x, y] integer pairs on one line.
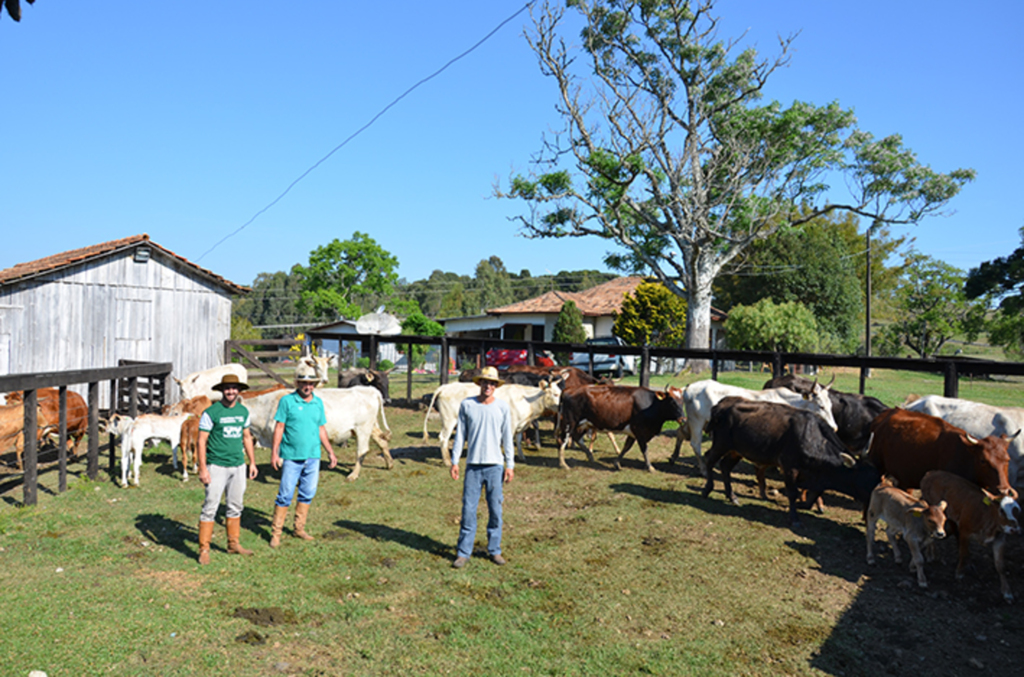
{"points": [[831, 382], [1014, 436], [848, 461], [867, 447], [971, 438]]}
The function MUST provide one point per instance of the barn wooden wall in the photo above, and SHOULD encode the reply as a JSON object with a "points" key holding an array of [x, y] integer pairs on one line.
{"points": [[92, 315]]}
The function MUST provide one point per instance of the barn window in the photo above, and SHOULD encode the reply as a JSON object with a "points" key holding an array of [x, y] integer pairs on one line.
{"points": [[141, 255]]}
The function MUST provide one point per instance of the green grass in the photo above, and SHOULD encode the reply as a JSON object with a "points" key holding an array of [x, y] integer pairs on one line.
{"points": [[609, 573]]}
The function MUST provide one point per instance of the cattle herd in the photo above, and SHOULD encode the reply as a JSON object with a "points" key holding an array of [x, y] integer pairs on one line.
{"points": [[934, 466]]}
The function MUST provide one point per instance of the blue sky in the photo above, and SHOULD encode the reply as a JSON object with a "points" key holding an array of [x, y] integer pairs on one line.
{"points": [[185, 121]]}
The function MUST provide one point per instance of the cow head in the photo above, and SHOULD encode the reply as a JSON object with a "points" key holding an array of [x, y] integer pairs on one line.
{"points": [[320, 365], [822, 402], [933, 517], [1009, 511]]}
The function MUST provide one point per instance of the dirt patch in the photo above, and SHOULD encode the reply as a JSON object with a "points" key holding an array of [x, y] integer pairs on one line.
{"points": [[175, 581], [266, 617]]}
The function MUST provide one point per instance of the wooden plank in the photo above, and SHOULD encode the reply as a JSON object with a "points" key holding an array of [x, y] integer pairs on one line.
{"points": [[29, 456]]}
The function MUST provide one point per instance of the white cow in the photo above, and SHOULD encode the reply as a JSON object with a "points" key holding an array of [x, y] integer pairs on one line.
{"points": [[981, 420], [701, 396], [202, 382], [349, 411], [135, 433], [526, 404]]}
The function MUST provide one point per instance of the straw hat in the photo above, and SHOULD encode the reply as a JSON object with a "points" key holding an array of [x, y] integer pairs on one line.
{"points": [[232, 381], [488, 374]]}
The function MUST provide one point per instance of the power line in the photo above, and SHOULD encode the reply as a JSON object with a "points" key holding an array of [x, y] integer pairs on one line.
{"points": [[364, 127]]}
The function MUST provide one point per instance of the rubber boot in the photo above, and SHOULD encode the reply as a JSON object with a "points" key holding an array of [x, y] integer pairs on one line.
{"points": [[234, 531], [301, 513], [280, 512], [205, 535]]}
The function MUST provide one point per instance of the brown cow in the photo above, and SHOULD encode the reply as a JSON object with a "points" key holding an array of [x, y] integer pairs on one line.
{"points": [[907, 444], [12, 427], [49, 413], [639, 412], [915, 521], [978, 514]]}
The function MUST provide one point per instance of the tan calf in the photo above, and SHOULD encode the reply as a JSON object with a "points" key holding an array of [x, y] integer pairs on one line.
{"points": [[906, 517]]}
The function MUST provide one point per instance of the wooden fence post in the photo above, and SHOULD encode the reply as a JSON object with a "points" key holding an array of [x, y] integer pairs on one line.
{"points": [[951, 386], [445, 357], [645, 366], [408, 372], [29, 456], [62, 441], [93, 465]]}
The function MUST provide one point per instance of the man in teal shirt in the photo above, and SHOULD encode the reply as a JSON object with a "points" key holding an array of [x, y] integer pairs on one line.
{"points": [[225, 444], [299, 433]]}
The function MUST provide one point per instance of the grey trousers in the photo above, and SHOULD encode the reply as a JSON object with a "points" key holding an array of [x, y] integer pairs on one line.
{"points": [[224, 480]]}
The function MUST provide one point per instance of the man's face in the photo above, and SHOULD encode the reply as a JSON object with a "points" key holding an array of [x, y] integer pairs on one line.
{"points": [[487, 387], [230, 394], [305, 388]]}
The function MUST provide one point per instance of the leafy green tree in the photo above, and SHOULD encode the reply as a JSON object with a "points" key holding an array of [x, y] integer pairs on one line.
{"points": [[242, 330], [344, 278], [1002, 278], [788, 327], [492, 284], [274, 301], [674, 160], [652, 316], [931, 307], [568, 328], [810, 264], [418, 324]]}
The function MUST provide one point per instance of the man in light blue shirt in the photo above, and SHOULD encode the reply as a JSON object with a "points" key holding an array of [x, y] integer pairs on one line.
{"points": [[485, 423]]}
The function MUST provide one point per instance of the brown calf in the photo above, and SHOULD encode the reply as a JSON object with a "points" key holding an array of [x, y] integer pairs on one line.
{"points": [[978, 514]]}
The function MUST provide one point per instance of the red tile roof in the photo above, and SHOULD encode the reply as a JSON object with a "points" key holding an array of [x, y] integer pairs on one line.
{"points": [[23, 271], [602, 300]]}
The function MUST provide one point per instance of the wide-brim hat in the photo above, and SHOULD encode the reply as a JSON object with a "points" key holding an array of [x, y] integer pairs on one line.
{"points": [[488, 374], [306, 372], [231, 380]]}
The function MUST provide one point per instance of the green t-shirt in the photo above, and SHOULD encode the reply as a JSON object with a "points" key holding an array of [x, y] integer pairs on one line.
{"points": [[225, 425], [302, 421]]}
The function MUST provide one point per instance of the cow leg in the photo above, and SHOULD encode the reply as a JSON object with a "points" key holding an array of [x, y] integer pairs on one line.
{"points": [[894, 541], [759, 471], [137, 463], [626, 447], [577, 438], [726, 466], [378, 438], [713, 456], [443, 438], [789, 476], [695, 442], [679, 445], [916, 561], [998, 548], [869, 534]]}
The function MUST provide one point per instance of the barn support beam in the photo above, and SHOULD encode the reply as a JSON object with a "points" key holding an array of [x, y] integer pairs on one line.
{"points": [[62, 441]]}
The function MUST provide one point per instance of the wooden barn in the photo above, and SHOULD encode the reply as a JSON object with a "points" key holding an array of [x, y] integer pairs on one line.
{"points": [[128, 299]]}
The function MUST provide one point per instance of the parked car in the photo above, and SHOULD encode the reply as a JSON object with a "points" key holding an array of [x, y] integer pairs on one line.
{"points": [[613, 364], [503, 359]]}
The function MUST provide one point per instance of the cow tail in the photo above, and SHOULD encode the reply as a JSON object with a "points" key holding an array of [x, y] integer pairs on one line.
{"points": [[426, 416], [383, 417]]}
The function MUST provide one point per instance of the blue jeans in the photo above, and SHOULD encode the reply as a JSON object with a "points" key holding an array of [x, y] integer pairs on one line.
{"points": [[487, 478], [305, 474]]}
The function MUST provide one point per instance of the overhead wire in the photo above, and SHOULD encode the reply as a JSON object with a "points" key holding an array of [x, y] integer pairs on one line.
{"points": [[364, 127]]}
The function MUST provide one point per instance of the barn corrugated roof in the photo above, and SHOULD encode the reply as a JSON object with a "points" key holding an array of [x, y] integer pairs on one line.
{"points": [[25, 271]]}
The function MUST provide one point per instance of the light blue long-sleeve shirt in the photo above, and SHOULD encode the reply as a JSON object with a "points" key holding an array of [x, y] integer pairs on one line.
{"points": [[488, 429]]}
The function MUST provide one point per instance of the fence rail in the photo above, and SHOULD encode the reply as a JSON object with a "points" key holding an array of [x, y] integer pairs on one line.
{"points": [[129, 373], [952, 368]]}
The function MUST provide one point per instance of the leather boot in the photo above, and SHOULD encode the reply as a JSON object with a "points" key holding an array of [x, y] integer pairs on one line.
{"points": [[205, 536], [301, 513], [234, 525], [280, 512]]}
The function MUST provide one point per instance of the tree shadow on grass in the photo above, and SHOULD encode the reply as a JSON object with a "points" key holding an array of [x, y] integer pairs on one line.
{"points": [[409, 539]]}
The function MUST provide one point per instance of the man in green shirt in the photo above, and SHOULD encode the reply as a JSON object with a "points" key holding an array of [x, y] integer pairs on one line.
{"points": [[225, 444]]}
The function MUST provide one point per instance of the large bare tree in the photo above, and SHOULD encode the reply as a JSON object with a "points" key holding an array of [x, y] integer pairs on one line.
{"points": [[667, 152]]}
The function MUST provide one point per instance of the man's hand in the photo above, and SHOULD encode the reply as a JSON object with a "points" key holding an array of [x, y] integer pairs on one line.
{"points": [[334, 460], [455, 471], [510, 474], [253, 471], [204, 475], [275, 459]]}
